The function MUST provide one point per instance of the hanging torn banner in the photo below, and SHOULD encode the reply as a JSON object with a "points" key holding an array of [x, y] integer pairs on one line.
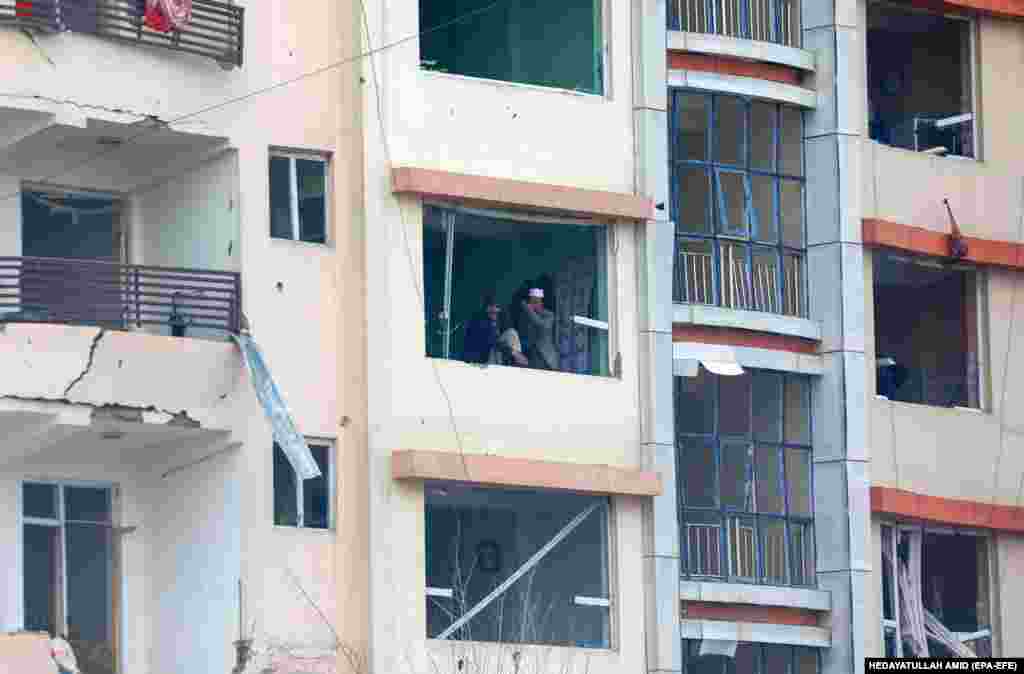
{"points": [[285, 434]]}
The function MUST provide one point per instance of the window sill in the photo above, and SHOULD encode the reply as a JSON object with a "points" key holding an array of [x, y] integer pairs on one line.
{"points": [[954, 408], [500, 84], [904, 150], [761, 595], [603, 652], [324, 247], [311, 530], [721, 630], [704, 314], [524, 371]]}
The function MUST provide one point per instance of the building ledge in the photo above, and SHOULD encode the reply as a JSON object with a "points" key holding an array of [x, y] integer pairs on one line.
{"points": [[769, 633], [455, 466], [720, 45], [757, 595], [744, 86], [760, 321], [520, 193]]}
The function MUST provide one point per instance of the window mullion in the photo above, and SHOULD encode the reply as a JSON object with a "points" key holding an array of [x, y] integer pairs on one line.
{"points": [[300, 501], [293, 189]]}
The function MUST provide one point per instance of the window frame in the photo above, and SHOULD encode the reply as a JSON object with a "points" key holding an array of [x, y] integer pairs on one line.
{"points": [[726, 517], [609, 326], [323, 157], [60, 523], [716, 234], [299, 486], [760, 658], [972, 55], [608, 561]]}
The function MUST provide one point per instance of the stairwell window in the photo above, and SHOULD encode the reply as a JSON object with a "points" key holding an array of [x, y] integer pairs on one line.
{"points": [[744, 465], [298, 197], [738, 203]]}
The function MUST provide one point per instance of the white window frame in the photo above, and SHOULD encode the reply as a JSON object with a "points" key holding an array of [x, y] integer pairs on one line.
{"points": [[300, 488], [293, 191], [611, 265]]}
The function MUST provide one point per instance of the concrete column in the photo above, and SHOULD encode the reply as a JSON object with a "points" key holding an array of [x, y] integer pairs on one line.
{"points": [[655, 250], [835, 135]]}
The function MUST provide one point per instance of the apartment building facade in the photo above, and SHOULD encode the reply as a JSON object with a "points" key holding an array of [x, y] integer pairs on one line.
{"points": [[765, 425]]}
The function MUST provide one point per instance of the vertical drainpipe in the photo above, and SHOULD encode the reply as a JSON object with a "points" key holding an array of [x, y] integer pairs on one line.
{"points": [[654, 260]]}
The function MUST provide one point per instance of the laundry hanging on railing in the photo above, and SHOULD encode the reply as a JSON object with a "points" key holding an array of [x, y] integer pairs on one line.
{"points": [[285, 434], [167, 15]]}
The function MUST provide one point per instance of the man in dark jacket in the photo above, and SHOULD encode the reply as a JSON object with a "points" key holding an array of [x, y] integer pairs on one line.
{"points": [[481, 334]]}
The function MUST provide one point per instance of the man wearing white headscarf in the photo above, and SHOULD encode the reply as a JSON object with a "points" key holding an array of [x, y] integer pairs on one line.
{"points": [[540, 326]]}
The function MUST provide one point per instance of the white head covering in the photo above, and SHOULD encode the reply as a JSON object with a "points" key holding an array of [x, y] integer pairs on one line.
{"points": [[537, 292]]}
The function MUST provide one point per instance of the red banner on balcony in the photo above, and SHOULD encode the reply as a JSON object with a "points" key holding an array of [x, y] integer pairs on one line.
{"points": [[23, 9], [167, 15]]}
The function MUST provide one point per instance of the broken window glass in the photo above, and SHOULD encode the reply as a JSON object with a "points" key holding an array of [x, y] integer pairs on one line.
{"points": [[302, 503], [477, 539], [935, 592], [926, 327], [528, 42], [751, 186], [746, 503], [515, 291], [920, 82]]}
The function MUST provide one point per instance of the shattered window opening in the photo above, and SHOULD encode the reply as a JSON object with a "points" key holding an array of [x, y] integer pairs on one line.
{"points": [[929, 355], [928, 610], [478, 539], [920, 81], [303, 503]]}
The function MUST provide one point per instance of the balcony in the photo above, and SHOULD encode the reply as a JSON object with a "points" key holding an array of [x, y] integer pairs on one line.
{"points": [[775, 21], [735, 280], [119, 296], [216, 29]]}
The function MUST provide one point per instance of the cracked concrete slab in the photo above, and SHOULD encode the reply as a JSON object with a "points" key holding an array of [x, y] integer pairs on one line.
{"points": [[183, 382]]}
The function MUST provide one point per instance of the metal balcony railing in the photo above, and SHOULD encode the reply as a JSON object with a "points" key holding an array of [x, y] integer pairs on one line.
{"points": [[107, 294], [736, 283], [216, 28], [775, 21]]}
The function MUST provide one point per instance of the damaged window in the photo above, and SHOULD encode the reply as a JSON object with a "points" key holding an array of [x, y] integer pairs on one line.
{"points": [[516, 291], [738, 202], [68, 568], [298, 197], [745, 477], [710, 656], [530, 42], [920, 80], [517, 566], [935, 593], [302, 503], [926, 330]]}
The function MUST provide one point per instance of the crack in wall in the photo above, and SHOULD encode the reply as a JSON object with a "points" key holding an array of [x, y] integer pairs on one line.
{"points": [[88, 363]]}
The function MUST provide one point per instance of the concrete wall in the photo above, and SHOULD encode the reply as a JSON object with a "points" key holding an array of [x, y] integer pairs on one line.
{"points": [[193, 566], [190, 221]]}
